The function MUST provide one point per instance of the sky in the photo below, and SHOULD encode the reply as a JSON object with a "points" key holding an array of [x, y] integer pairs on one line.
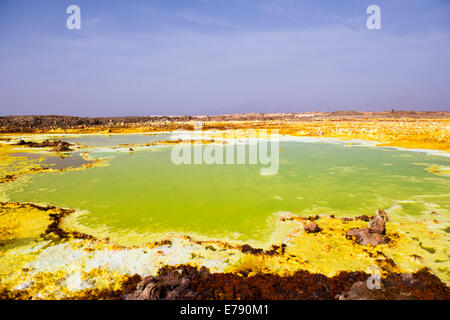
{"points": [[192, 57]]}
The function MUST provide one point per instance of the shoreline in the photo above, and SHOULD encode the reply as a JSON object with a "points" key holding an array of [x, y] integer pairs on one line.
{"points": [[409, 130]]}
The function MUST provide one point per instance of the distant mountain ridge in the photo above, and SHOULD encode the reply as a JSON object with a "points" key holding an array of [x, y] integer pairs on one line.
{"points": [[45, 122]]}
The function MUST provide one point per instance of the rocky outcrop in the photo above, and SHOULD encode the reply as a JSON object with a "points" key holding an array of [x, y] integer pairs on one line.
{"points": [[377, 225], [403, 286], [59, 146], [312, 228], [171, 284], [62, 147], [185, 282], [375, 232]]}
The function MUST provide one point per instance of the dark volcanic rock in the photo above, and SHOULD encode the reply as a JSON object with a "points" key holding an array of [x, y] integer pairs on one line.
{"points": [[62, 147], [404, 286], [248, 249], [170, 284], [186, 282], [21, 143], [59, 146]]}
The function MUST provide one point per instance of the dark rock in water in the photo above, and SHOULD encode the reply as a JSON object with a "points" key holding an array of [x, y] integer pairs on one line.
{"points": [[312, 228], [62, 147], [21, 143], [59, 146]]}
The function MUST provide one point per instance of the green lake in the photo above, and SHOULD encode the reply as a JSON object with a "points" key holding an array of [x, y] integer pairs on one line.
{"points": [[144, 193]]}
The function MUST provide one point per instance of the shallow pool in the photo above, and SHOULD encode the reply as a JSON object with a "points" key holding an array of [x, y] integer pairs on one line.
{"points": [[141, 196]]}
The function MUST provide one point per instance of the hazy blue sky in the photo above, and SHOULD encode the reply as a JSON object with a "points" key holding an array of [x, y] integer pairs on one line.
{"points": [[222, 56]]}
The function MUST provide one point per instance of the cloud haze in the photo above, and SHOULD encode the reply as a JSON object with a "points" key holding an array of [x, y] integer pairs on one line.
{"points": [[212, 57]]}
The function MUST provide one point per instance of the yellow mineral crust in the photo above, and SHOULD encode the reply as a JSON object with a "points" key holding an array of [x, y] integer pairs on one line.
{"points": [[440, 170], [404, 132], [51, 267], [411, 246], [19, 223], [13, 166], [14, 162]]}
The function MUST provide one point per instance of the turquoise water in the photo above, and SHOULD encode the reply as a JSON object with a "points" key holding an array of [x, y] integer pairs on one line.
{"points": [[144, 193]]}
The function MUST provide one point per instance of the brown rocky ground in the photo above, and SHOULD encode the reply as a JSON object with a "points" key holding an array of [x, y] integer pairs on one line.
{"points": [[33, 123], [186, 282]]}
